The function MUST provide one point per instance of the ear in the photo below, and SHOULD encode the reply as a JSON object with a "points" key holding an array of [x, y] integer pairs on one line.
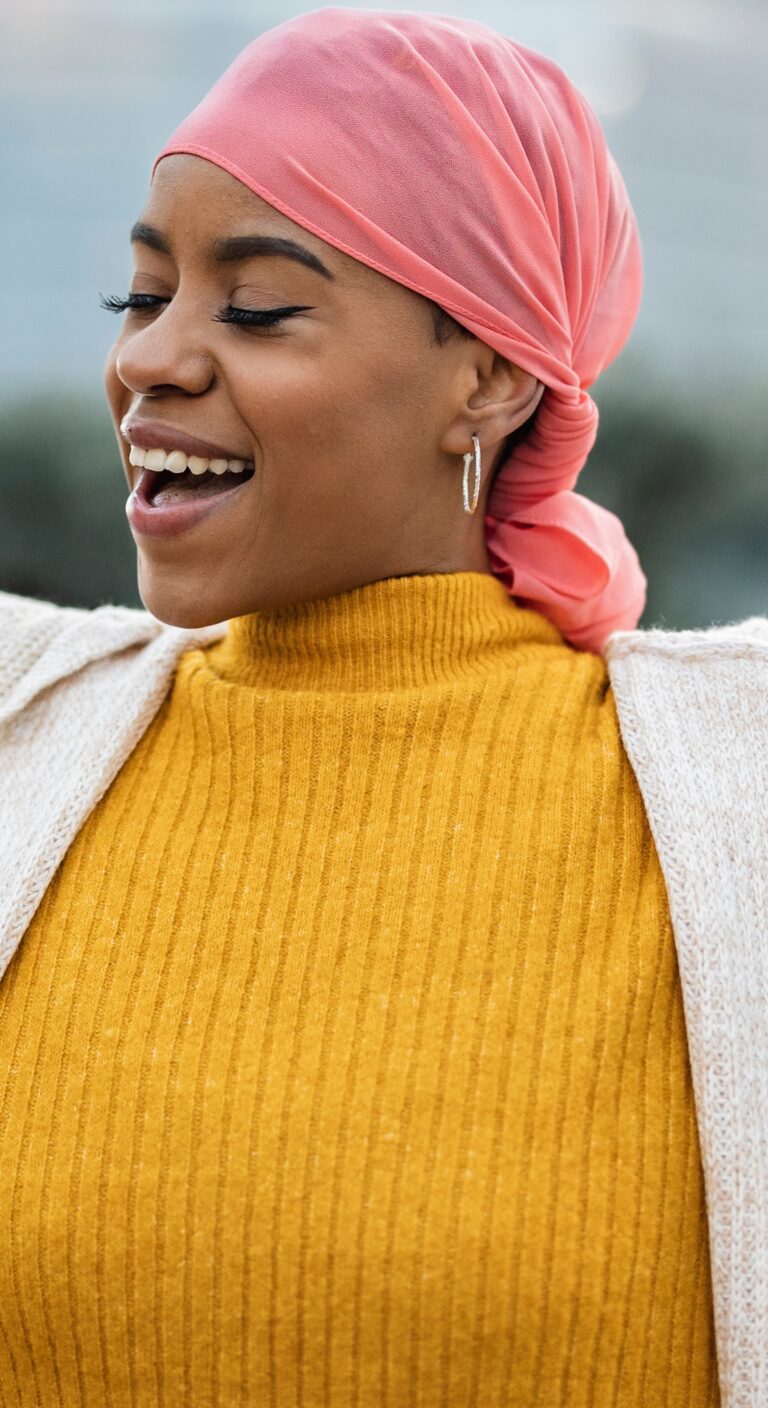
{"points": [[497, 398]]}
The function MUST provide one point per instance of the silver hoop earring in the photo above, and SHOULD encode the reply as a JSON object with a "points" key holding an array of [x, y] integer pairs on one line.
{"points": [[470, 508]]}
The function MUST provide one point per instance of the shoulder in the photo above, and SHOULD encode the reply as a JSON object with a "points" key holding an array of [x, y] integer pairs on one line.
{"points": [[43, 642], [692, 693], [29, 629], [26, 618], [747, 639]]}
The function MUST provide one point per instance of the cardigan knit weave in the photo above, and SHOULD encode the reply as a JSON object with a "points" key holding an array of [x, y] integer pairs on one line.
{"points": [[36, 715]]}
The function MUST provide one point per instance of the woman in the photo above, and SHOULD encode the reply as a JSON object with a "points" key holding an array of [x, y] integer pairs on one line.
{"points": [[345, 1058]]}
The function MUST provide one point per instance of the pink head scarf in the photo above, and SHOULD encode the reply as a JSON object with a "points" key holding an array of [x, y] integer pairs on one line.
{"points": [[469, 169]]}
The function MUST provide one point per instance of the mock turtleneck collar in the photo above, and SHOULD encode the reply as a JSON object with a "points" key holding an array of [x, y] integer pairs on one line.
{"points": [[397, 633]]}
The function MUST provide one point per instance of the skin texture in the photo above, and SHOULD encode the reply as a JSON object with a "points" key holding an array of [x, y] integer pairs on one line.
{"points": [[355, 418]]}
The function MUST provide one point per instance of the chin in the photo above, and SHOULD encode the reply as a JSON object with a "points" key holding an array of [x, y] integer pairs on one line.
{"points": [[171, 603], [189, 618]]}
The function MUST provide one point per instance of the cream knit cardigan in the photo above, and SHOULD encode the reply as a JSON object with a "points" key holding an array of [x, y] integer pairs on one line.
{"points": [[78, 689]]}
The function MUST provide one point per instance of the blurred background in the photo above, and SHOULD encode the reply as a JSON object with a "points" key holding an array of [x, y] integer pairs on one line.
{"points": [[90, 90]]}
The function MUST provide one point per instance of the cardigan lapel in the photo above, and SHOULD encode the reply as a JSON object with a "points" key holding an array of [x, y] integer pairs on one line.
{"points": [[693, 714]]}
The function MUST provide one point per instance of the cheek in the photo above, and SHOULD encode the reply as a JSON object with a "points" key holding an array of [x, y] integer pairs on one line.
{"points": [[343, 396], [295, 398], [396, 388]]}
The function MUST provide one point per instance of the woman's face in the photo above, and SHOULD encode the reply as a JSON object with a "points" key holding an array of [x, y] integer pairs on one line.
{"points": [[354, 420]]}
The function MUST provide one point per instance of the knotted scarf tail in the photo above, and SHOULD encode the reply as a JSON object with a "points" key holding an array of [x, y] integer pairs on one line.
{"points": [[570, 559]]}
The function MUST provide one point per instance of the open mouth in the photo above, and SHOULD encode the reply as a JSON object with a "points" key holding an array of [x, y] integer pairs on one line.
{"points": [[164, 487]]}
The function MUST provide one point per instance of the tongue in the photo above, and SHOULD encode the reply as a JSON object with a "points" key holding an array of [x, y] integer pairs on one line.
{"points": [[202, 485]]}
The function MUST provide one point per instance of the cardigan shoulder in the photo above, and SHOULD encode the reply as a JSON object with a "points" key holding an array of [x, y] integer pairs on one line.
{"points": [[700, 684], [34, 632], [42, 643], [27, 628], [736, 639]]}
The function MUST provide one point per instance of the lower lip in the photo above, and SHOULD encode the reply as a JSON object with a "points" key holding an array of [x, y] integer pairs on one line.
{"points": [[166, 520]]}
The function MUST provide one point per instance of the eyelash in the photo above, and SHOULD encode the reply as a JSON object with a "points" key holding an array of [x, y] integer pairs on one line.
{"points": [[243, 317]]}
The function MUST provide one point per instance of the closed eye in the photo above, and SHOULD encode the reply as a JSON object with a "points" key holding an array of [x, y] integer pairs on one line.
{"points": [[245, 317], [258, 317]]}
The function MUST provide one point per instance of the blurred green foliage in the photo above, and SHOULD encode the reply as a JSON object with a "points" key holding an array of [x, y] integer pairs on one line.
{"points": [[688, 481], [64, 536]]}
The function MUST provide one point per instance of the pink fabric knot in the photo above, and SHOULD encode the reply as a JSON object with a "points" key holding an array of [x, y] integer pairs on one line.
{"points": [[470, 169], [556, 551]]}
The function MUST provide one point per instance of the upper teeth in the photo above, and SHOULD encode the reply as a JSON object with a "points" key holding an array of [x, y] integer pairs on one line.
{"points": [[177, 462]]}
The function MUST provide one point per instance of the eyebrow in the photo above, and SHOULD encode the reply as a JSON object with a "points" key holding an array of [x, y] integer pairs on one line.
{"points": [[236, 247]]}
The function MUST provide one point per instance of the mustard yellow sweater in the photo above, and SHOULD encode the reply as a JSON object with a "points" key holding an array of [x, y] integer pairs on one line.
{"points": [[344, 1061]]}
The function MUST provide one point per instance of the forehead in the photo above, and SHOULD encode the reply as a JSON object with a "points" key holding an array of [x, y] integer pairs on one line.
{"points": [[191, 198], [184, 180]]}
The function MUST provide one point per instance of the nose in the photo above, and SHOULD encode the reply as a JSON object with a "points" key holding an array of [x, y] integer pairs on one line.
{"points": [[166, 354]]}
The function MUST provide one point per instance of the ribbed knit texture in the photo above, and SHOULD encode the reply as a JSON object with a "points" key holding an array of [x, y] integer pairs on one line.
{"points": [[344, 1061]]}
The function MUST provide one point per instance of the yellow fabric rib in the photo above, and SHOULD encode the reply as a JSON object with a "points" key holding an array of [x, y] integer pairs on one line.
{"points": [[344, 1061]]}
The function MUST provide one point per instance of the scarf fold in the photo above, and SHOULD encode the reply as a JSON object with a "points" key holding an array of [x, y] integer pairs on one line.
{"points": [[470, 169]]}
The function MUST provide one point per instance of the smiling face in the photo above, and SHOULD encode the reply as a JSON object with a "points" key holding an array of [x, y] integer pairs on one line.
{"points": [[354, 418]]}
